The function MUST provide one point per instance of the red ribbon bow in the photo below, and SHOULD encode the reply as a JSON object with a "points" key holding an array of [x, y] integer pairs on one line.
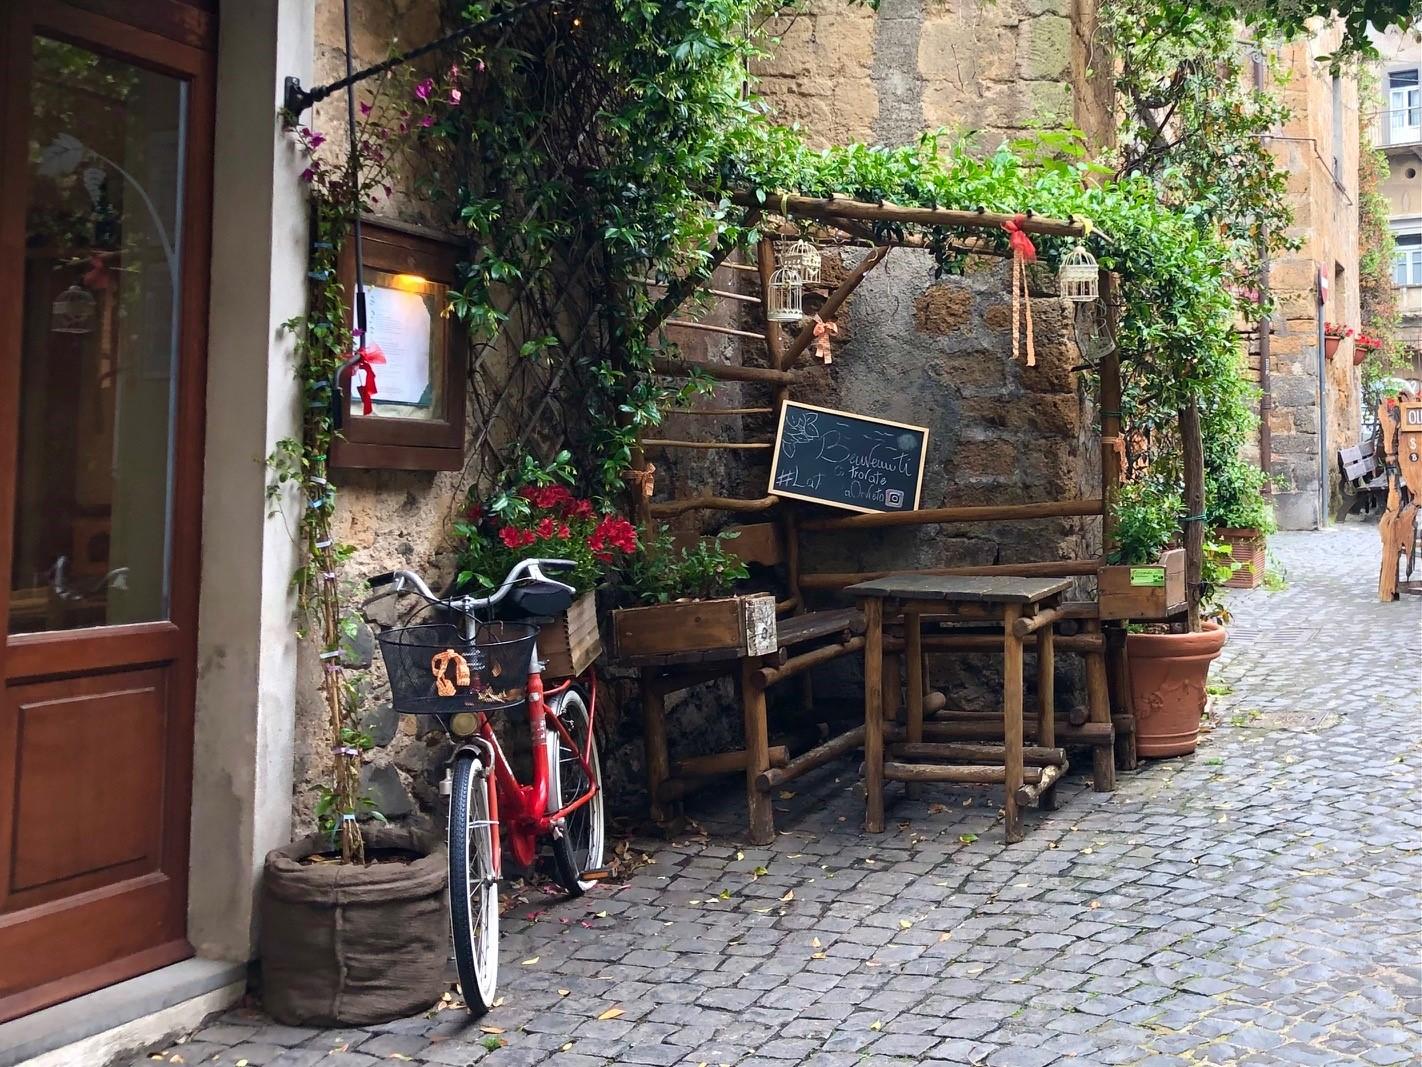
{"points": [[365, 362], [1017, 237]]}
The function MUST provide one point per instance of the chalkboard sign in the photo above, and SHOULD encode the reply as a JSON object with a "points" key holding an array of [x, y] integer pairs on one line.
{"points": [[846, 460]]}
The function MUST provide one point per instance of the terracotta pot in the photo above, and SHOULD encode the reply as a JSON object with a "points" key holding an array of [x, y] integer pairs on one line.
{"points": [[1330, 346], [1247, 548], [1168, 673], [1360, 356]]}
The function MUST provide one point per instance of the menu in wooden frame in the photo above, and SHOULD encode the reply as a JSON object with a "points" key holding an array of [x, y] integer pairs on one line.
{"points": [[849, 461], [413, 417]]}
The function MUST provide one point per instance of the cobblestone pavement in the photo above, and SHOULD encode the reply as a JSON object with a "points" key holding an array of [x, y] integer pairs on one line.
{"points": [[1255, 904]]}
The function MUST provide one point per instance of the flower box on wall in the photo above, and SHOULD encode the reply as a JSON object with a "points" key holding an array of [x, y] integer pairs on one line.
{"points": [[569, 644], [1246, 547], [723, 628], [1147, 592]]}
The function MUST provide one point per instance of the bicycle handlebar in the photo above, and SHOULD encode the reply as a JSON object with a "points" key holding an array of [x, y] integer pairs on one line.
{"points": [[524, 570]]}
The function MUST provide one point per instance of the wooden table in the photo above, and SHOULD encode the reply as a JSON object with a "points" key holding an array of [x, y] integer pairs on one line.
{"points": [[1023, 607]]}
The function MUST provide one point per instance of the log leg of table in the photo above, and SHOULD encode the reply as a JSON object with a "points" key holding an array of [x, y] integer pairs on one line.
{"points": [[654, 741], [1119, 674], [893, 688], [762, 816], [1046, 706], [913, 660], [1011, 723], [874, 715], [1098, 706]]}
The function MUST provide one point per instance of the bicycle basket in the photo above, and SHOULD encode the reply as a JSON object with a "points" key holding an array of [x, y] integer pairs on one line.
{"points": [[435, 670]]}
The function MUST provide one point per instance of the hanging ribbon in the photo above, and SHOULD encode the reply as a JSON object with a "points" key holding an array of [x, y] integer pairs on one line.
{"points": [[1023, 252], [643, 479], [823, 332], [364, 364]]}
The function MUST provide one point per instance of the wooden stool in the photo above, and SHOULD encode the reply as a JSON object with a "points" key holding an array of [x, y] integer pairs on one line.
{"points": [[1023, 607]]}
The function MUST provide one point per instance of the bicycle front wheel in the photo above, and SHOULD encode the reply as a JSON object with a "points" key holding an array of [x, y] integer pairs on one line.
{"points": [[578, 846], [473, 884]]}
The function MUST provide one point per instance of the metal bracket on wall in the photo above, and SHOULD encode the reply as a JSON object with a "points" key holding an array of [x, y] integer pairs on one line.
{"points": [[296, 99]]}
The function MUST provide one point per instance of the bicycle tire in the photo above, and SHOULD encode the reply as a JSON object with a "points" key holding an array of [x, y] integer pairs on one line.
{"points": [[473, 887], [579, 847]]}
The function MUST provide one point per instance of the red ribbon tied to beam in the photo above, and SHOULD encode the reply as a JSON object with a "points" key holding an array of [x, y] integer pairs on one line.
{"points": [[366, 358], [1019, 240]]}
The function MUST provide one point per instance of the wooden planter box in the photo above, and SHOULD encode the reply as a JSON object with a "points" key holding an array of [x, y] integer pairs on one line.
{"points": [[1246, 547], [1150, 592], [569, 644], [720, 629]]}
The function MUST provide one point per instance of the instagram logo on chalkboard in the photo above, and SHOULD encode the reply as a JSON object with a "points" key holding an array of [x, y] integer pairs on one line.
{"points": [[893, 498]]}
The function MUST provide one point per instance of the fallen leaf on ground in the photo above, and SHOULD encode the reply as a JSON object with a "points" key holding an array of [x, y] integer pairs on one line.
{"points": [[785, 794], [904, 924], [491, 1029], [967, 839], [611, 1013], [789, 895], [876, 1025], [530, 961]]}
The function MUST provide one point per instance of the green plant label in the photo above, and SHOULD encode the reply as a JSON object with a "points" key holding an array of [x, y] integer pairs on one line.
{"points": [[1154, 576]]}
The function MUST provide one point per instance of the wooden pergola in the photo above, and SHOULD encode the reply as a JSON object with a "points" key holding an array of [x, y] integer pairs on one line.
{"points": [[1103, 648]]}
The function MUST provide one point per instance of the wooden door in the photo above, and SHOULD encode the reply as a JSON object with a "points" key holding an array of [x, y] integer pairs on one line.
{"points": [[105, 120]]}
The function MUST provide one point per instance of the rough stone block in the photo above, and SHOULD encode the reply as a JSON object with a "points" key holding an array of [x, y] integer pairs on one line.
{"points": [[382, 784], [1043, 47], [943, 309]]}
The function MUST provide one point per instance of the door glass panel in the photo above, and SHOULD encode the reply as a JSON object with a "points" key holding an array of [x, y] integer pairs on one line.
{"points": [[100, 341]]}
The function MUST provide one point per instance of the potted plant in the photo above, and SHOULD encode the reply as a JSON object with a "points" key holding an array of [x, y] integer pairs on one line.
{"points": [[690, 602], [1167, 668], [535, 514], [1363, 345], [1144, 577], [1240, 515], [1333, 335]]}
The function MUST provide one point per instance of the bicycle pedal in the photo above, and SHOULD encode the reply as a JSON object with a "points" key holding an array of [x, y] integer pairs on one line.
{"points": [[597, 874]]}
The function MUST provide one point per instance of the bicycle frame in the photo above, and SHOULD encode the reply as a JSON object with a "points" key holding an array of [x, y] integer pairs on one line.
{"points": [[521, 810]]}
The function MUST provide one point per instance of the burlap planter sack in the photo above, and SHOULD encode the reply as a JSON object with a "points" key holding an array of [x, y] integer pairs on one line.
{"points": [[352, 945]]}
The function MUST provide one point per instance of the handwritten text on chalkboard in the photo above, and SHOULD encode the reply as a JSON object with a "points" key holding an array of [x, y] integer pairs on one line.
{"points": [[847, 460]]}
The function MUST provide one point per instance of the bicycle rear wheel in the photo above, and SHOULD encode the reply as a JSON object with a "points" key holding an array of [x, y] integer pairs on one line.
{"points": [[473, 884], [579, 847]]}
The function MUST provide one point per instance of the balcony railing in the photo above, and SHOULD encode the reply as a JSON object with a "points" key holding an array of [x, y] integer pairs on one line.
{"points": [[1397, 128], [1409, 300]]}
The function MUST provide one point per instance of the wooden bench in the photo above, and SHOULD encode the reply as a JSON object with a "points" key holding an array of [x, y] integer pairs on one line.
{"points": [[805, 640], [1363, 480]]}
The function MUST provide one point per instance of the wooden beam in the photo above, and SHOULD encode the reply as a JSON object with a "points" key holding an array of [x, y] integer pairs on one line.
{"points": [[804, 662], [1028, 793], [973, 775], [720, 411], [748, 446], [818, 756], [670, 508], [685, 368], [1054, 509], [730, 331], [725, 762], [806, 336], [840, 208], [1033, 755], [1030, 624]]}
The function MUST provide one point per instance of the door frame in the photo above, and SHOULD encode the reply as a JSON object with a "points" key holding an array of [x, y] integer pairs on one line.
{"points": [[77, 652]]}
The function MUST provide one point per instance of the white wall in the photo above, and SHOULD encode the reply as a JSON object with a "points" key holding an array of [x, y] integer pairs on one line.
{"points": [[246, 648]]}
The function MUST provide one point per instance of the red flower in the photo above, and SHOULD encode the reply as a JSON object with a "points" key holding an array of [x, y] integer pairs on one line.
{"points": [[546, 496], [563, 532], [545, 527], [579, 509], [510, 537], [475, 512]]}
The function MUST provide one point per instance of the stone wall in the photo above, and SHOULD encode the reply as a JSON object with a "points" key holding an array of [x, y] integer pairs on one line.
{"points": [[848, 73], [1304, 448]]}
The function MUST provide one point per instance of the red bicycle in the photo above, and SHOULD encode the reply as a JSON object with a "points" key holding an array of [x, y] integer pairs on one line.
{"points": [[465, 670]]}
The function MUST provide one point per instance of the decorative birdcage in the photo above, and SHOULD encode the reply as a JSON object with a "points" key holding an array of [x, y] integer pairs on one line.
{"points": [[785, 296], [1079, 276], [73, 311], [804, 257]]}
